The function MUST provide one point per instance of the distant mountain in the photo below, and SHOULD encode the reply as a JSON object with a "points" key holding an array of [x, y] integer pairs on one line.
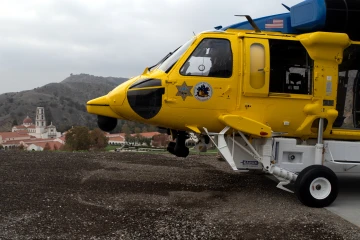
{"points": [[64, 102]]}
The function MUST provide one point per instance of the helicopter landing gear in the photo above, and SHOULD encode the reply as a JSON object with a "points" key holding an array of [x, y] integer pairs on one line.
{"points": [[171, 147], [316, 186], [106, 124], [179, 149]]}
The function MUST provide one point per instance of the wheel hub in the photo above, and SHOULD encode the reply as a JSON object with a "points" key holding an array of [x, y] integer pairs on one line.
{"points": [[320, 188]]}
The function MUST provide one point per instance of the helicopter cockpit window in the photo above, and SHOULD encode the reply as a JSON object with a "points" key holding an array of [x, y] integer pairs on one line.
{"points": [[211, 58], [290, 68], [174, 56]]}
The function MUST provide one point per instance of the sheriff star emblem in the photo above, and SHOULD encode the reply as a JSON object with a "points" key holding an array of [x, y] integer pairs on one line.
{"points": [[184, 91]]}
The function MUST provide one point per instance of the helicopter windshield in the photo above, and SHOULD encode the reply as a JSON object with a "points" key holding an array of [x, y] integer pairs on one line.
{"points": [[169, 62]]}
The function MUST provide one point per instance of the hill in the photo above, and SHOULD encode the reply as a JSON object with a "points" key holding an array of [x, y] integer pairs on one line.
{"points": [[64, 102]]}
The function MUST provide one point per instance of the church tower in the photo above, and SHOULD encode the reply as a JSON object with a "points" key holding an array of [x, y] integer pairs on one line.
{"points": [[40, 120]]}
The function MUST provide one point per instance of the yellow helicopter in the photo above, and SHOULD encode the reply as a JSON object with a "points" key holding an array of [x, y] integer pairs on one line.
{"points": [[279, 93]]}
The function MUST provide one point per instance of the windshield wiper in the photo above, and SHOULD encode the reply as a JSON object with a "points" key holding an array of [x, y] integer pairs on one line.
{"points": [[164, 58]]}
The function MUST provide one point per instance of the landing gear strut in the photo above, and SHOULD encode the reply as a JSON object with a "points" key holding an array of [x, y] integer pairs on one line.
{"points": [[179, 149]]}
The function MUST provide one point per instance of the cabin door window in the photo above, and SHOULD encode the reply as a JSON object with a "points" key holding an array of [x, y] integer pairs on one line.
{"points": [[290, 68], [256, 79]]}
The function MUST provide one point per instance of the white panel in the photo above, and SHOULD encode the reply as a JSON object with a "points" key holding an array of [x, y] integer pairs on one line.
{"points": [[242, 159], [288, 148]]}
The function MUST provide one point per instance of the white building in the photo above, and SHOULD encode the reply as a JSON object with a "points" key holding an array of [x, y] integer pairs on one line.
{"points": [[39, 130], [116, 139]]}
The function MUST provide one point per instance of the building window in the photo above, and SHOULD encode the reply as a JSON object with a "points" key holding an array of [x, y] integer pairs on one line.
{"points": [[211, 58]]}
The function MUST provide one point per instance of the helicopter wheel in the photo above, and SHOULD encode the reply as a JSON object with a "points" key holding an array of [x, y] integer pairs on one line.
{"points": [[180, 149], [316, 186], [106, 124], [184, 152], [171, 147]]}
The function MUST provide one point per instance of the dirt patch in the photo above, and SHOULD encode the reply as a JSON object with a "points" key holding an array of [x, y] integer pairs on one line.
{"points": [[148, 196]]}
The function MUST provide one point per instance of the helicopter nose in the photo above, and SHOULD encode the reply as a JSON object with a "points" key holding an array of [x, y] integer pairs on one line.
{"points": [[100, 101], [101, 106]]}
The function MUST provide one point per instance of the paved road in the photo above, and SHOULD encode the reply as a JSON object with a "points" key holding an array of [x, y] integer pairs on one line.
{"points": [[347, 204], [61, 195]]}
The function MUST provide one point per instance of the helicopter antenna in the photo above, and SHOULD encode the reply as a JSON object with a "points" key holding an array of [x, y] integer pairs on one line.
{"points": [[251, 21], [194, 33], [286, 7]]}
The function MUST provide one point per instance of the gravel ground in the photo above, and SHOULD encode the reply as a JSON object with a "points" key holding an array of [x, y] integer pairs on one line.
{"points": [[46, 195]]}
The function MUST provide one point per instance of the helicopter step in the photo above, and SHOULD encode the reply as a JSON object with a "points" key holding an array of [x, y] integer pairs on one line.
{"points": [[307, 168]]}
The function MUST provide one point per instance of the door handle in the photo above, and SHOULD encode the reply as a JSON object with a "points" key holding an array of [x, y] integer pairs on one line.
{"points": [[227, 91], [170, 100], [266, 69], [170, 81]]}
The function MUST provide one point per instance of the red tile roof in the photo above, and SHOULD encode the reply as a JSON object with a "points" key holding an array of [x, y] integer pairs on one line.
{"points": [[116, 135], [147, 134], [37, 140], [51, 144], [119, 139], [22, 132], [19, 134], [20, 126], [12, 142], [62, 138], [27, 120]]}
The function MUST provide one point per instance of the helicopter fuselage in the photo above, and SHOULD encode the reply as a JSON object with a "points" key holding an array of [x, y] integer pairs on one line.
{"points": [[267, 83]]}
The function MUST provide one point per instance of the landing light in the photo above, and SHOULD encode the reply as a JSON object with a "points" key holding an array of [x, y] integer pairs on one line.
{"points": [[263, 133]]}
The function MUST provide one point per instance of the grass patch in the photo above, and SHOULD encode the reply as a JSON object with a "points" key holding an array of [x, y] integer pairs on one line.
{"points": [[111, 147]]}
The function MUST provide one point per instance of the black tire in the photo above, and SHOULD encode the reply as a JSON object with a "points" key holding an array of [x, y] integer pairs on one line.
{"points": [[171, 147], [183, 153], [106, 124], [306, 178]]}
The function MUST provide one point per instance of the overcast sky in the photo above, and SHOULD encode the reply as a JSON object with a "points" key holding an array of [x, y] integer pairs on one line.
{"points": [[43, 41]]}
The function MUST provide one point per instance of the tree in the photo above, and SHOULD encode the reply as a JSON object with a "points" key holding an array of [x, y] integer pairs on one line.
{"points": [[137, 130], [48, 115], [47, 147], [14, 123], [98, 139], [77, 138], [152, 128], [147, 141], [21, 147], [130, 139], [125, 129], [161, 140], [118, 128]]}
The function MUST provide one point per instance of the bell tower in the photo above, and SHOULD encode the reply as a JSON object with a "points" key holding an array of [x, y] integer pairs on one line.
{"points": [[40, 120]]}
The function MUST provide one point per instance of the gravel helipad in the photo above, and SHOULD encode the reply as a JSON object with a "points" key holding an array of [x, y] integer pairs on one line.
{"points": [[47, 195]]}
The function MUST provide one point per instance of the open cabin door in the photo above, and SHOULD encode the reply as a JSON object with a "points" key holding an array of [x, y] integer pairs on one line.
{"points": [[356, 102], [348, 92]]}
